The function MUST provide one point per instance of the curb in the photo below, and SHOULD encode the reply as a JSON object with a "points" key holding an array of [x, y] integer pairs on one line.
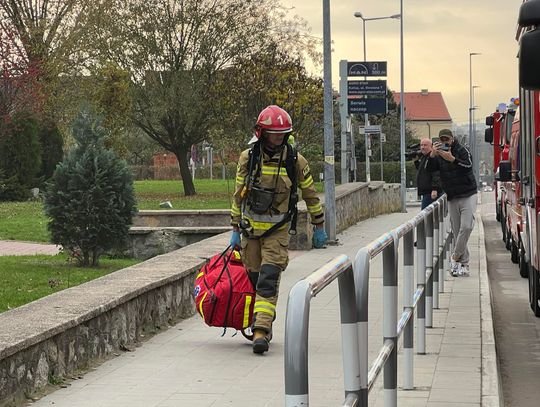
{"points": [[490, 380]]}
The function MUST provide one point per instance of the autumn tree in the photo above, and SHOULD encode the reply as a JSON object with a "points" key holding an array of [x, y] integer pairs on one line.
{"points": [[272, 76], [57, 38], [176, 53]]}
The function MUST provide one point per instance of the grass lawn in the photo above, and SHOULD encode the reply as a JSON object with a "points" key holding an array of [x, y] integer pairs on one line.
{"points": [[27, 278], [26, 221]]}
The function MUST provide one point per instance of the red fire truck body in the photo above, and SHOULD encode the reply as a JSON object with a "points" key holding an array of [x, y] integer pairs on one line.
{"points": [[499, 134], [527, 171], [513, 202]]}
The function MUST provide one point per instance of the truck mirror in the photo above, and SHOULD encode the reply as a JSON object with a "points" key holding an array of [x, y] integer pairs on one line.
{"points": [[489, 121], [504, 173], [529, 59], [529, 13], [488, 135]]}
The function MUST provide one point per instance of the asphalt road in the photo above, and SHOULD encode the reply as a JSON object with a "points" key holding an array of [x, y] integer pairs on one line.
{"points": [[517, 330]]}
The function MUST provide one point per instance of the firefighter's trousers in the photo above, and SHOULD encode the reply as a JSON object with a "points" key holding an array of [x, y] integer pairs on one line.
{"points": [[265, 259]]}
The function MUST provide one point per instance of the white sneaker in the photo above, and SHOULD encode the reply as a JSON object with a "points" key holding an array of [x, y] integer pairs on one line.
{"points": [[464, 271], [455, 267]]}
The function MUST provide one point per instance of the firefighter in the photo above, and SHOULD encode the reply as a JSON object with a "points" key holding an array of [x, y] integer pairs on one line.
{"points": [[263, 212]]}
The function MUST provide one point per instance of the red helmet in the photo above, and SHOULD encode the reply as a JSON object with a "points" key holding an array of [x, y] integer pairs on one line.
{"points": [[273, 119]]}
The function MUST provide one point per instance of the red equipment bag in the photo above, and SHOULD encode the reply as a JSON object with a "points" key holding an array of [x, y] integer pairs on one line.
{"points": [[224, 294]]}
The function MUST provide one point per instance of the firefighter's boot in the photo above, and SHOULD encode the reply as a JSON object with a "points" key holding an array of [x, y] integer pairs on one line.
{"points": [[260, 341]]}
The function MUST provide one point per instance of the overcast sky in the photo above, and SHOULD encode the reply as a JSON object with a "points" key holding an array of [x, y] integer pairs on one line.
{"points": [[438, 37]]}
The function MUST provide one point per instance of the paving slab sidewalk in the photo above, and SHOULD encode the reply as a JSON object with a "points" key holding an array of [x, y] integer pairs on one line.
{"points": [[193, 365], [17, 248]]}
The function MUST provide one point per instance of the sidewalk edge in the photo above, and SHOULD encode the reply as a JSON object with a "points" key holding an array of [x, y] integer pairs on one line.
{"points": [[490, 387]]}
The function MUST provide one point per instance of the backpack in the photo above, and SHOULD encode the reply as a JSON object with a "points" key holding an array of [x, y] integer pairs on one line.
{"points": [[224, 294]]}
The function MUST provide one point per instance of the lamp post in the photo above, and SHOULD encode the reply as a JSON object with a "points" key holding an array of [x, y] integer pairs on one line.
{"points": [[403, 186], [366, 116], [476, 154], [472, 138]]}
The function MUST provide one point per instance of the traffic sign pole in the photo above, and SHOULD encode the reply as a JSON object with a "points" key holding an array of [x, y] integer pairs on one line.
{"points": [[343, 110]]}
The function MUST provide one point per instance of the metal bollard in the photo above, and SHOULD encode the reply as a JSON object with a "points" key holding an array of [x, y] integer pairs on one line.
{"points": [[349, 334], [390, 272], [429, 270], [436, 257], [421, 283], [408, 293]]}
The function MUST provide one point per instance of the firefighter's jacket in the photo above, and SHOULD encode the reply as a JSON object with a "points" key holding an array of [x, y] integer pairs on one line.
{"points": [[280, 204]]}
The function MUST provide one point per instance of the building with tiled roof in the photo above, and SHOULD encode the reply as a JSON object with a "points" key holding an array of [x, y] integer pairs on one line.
{"points": [[425, 112]]}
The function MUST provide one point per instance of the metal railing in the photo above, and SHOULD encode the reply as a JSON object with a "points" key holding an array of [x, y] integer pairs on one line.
{"points": [[432, 248]]}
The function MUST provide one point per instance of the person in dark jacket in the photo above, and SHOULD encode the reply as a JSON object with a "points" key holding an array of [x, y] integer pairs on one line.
{"points": [[454, 163], [428, 182]]}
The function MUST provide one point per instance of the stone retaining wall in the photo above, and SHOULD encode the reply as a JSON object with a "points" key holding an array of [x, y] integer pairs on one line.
{"points": [[51, 338], [148, 242], [168, 229]]}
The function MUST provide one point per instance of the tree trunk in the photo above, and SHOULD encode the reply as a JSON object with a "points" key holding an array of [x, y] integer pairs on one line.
{"points": [[189, 188]]}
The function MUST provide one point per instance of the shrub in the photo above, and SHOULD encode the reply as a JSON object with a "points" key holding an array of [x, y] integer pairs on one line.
{"points": [[90, 197], [20, 156], [11, 189], [51, 149]]}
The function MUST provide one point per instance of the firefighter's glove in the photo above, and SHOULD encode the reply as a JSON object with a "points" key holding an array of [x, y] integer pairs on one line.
{"points": [[319, 237], [235, 239]]}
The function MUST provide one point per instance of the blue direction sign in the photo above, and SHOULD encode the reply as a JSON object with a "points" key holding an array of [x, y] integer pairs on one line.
{"points": [[368, 88], [369, 106], [366, 68]]}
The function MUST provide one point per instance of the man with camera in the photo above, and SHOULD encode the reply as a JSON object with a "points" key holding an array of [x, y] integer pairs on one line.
{"points": [[455, 165], [427, 182]]}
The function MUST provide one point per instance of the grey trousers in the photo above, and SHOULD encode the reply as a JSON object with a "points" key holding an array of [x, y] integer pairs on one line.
{"points": [[462, 212]]}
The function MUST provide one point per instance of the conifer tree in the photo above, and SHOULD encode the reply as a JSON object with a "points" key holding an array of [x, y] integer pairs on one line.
{"points": [[90, 198]]}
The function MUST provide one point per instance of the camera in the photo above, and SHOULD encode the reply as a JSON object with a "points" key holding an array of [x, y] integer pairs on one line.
{"points": [[413, 151]]}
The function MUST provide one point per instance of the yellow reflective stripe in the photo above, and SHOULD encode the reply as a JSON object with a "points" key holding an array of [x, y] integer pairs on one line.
{"points": [[246, 311], [235, 210], [267, 170], [240, 180], [201, 304], [266, 307], [264, 225], [315, 208], [307, 182], [199, 275]]}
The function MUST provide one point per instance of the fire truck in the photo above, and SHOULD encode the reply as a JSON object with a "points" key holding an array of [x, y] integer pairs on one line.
{"points": [[498, 134], [527, 173], [512, 216]]}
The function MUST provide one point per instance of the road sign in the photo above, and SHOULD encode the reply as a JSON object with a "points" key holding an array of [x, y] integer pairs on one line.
{"points": [[366, 68], [368, 88], [369, 106], [374, 129], [383, 138]]}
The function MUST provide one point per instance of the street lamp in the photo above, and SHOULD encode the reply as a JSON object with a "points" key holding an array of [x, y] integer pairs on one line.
{"points": [[358, 14], [476, 150], [472, 139], [403, 187]]}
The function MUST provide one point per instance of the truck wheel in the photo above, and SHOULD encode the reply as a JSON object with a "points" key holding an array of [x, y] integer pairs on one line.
{"points": [[514, 251], [534, 292], [503, 230], [508, 239], [523, 265]]}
